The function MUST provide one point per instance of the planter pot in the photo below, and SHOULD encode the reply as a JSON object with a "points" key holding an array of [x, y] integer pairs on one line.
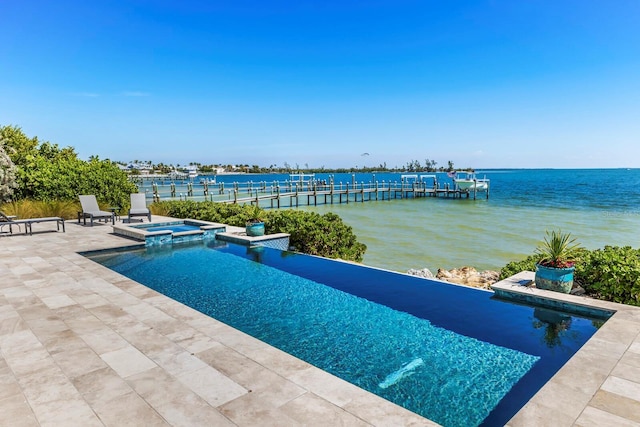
{"points": [[554, 279], [255, 229]]}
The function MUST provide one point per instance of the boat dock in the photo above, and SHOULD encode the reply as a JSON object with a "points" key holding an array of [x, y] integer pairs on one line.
{"points": [[305, 190]]}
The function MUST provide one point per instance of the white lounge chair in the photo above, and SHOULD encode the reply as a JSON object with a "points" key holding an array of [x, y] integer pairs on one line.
{"points": [[139, 206], [90, 209]]}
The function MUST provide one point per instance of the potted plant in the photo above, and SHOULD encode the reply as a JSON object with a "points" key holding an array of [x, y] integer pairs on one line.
{"points": [[555, 269], [255, 225]]}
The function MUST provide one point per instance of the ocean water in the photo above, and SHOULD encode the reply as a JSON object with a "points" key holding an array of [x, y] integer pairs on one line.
{"points": [[598, 206]]}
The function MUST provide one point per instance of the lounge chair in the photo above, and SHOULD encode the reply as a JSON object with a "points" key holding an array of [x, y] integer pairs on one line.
{"points": [[91, 210], [28, 223], [139, 206]]}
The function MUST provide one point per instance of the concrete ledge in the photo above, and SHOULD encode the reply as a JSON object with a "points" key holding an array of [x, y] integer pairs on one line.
{"points": [[238, 236]]}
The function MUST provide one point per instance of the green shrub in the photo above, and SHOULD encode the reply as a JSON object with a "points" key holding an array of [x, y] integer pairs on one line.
{"points": [[514, 267], [612, 274], [311, 233], [46, 172]]}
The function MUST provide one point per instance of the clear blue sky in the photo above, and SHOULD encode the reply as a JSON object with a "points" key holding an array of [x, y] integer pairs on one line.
{"points": [[503, 83]]}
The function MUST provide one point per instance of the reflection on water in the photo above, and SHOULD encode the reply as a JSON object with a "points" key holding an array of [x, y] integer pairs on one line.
{"points": [[555, 325]]}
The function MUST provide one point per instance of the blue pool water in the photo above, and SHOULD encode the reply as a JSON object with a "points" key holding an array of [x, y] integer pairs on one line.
{"points": [[455, 355], [174, 227]]}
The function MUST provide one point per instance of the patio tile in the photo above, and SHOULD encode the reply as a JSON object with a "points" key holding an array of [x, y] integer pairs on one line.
{"points": [[622, 387], [175, 402], [64, 340], [66, 412], [11, 325], [616, 405], [102, 384], [261, 416], [212, 386], [627, 372], [592, 417], [78, 361], [311, 409], [128, 361], [16, 412], [127, 410], [19, 342], [536, 415]]}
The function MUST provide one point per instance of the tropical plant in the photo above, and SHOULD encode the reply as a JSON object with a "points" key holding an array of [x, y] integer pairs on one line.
{"points": [[558, 250], [255, 214]]}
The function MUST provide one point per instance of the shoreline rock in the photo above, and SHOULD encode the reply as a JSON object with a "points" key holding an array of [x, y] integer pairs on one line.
{"points": [[468, 276]]}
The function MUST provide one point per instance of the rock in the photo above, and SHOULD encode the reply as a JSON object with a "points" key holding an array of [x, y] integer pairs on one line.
{"points": [[424, 273], [577, 290], [464, 276], [469, 276]]}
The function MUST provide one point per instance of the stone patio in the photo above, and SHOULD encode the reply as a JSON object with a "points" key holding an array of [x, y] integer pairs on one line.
{"points": [[83, 345]]}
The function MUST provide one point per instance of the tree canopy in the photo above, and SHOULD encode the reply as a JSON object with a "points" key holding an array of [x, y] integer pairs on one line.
{"points": [[44, 171]]}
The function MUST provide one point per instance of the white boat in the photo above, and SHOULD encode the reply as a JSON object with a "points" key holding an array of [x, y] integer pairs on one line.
{"points": [[193, 173], [208, 181], [468, 181]]}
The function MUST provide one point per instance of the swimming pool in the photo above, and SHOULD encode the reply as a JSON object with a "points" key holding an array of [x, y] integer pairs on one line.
{"points": [[452, 354]]}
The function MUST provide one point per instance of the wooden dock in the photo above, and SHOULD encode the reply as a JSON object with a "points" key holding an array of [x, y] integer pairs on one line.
{"points": [[294, 194]]}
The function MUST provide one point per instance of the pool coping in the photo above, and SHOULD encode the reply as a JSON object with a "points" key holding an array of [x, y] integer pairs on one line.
{"points": [[81, 344], [138, 233], [600, 384]]}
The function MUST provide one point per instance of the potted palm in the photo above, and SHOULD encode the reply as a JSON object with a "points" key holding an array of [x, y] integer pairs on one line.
{"points": [[555, 269], [255, 225]]}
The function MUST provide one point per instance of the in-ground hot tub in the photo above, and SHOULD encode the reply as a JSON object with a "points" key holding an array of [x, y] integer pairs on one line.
{"points": [[156, 233]]}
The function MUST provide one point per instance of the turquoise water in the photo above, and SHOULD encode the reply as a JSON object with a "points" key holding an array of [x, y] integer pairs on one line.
{"points": [[176, 228], [598, 206], [395, 335]]}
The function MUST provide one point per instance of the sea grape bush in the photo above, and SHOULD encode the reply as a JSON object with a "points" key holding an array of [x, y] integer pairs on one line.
{"points": [[311, 233], [514, 267], [611, 273]]}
